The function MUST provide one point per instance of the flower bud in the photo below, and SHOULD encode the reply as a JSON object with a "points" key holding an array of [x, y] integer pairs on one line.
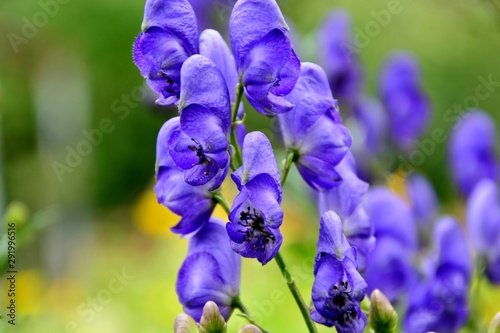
{"points": [[185, 324], [250, 329], [383, 318], [211, 320]]}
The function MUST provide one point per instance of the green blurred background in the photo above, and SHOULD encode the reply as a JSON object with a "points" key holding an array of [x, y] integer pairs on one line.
{"points": [[99, 216]]}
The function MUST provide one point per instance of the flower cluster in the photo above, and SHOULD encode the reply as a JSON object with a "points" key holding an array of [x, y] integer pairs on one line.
{"points": [[387, 240]]}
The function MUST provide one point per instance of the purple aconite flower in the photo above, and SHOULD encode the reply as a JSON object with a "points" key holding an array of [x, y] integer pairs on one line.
{"points": [[405, 100], [266, 62], [339, 55], [389, 265], [424, 201], [194, 204], [472, 150], [345, 200], [338, 288], [213, 46], [210, 272], [369, 127], [439, 302], [256, 214], [169, 36], [483, 223], [313, 129], [200, 146]]}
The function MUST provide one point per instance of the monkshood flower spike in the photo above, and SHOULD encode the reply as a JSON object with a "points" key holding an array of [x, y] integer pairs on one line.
{"points": [[169, 36], [338, 288], [472, 151], [256, 214], [194, 204], [313, 129], [483, 223], [210, 272], [267, 65], [402, 93], [200, 147]]}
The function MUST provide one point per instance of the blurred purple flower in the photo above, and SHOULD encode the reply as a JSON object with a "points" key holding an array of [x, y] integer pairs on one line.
{"points": [[483, 223], [194, 204], [439, 303], [369, 126], [169, 36], [266, 62], [472, 151], [405, 100], [256, 214], [339, 56], [200, 146], [370, 115], [389, 265], [210, 272], [313, 129], [338, 288], [345, 200], [423, 199]]}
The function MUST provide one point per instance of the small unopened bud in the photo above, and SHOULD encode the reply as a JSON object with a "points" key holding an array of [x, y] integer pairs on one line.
{"points": [[185, 324], [211, 320], [250, 329], [383, 318], [495, 324]]}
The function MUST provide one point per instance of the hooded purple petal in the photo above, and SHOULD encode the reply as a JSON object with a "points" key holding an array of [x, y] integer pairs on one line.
{"points": [[258, 158], [204, 84], [210, 272], [338, 287], [213, 46], [256, 214], [402, 93], [250, 21], [169, 36], [255, 219], [265, 60], [313, 129], [472, 151], [200, 146], [176, 16], [340, 57], [193, 204]]}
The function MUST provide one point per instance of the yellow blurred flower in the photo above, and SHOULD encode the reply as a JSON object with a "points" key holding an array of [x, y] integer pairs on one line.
{"points": [[151, 218]]}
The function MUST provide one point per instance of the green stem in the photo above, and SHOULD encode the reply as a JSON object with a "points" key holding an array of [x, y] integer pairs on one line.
{"points": [[476, 319], [287, 163], [246, 314], [218, 198], [296, 293], [234, 122]]}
